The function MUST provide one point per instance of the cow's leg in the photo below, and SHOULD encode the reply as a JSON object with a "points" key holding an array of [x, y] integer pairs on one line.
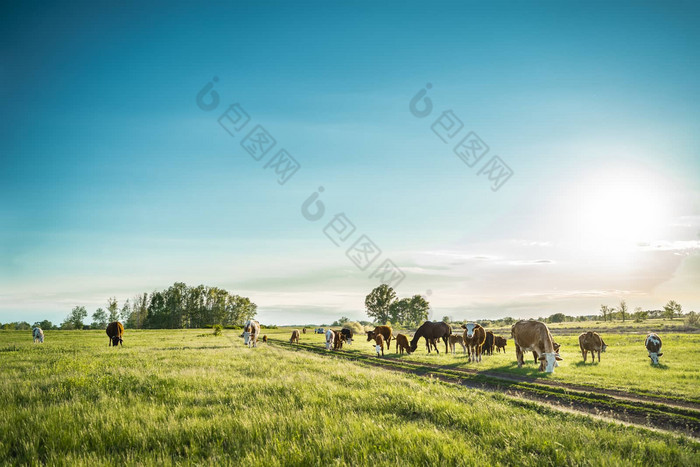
{"points": [[519, 356]]}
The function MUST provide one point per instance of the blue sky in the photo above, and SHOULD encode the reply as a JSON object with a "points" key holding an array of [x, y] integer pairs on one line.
{"points": [[114, 182]]}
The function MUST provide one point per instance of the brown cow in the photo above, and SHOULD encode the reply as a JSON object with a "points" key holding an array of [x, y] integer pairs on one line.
{"points": [[265, 338], [591, 342], [534, 336], [338, 340], [379, 341], [115, 331], [303, 331], [455, 339], [385, 331], [294, 339], [402, 343], [500, 343], [488, 343], [431, 331], [474, 338]]}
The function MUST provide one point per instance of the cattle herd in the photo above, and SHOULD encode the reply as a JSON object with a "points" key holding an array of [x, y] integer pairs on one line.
{"points": [[528, 336]]}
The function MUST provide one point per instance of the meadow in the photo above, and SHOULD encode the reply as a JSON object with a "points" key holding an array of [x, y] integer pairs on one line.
{"points": [[186, 396]]}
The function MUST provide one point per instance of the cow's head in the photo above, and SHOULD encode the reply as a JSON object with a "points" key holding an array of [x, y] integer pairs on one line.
{"points": [[549, 361], [655, 357], [246, 337], [116, 340], [370, 336], [605, 346], [469, 329]]}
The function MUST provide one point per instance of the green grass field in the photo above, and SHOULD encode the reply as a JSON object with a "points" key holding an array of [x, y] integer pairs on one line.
{"points": [[625, 365], [186, 397]]}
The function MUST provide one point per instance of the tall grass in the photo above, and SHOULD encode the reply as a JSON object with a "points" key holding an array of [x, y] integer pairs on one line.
{"points": [[180, 397]]}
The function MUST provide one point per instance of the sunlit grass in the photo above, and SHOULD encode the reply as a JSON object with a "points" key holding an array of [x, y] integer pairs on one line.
{"points": [[185, 397]]}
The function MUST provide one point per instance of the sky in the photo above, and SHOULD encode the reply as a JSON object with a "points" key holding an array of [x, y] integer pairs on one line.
{"points": [[117, 176]]}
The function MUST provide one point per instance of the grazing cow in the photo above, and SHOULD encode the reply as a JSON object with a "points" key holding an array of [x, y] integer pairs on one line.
{"points": [[591, 342], [474, 338], [488, 343], [431, 331], [295, 337], [385, 331], [38, 335], [251, 331], [330, 339], [653, 345], [556, 351], [402, 343], [500, 343], [347, 335], [455, 339], [379, 341], [303, 331], [264, 338], [115, 331], [534, 336], [338, 340]]}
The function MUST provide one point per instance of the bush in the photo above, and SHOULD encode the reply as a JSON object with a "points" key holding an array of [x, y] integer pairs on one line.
{"points": [[217, 329], [692, 319]]}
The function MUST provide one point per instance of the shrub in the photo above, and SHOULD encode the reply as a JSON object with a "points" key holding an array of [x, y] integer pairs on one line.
{"points": [[692, 319], [217, 329]]}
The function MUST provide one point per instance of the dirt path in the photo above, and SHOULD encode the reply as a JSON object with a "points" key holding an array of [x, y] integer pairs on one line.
{"points": [[647, 411]]}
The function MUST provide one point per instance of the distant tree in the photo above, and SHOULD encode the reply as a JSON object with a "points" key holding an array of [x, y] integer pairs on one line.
{"points": [[606, 312], [418, 310], [75, 318], [446, 319], [692, 319], [22, 326], [113, 309], [508, 321], [639, 314], [672, 308], [45, 324], [125, 313], [622, 309], [400, 310], [557, 318], [378, 303], [99, 319]]}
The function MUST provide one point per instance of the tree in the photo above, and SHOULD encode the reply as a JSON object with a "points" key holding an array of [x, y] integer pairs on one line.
{"points": [[622, 309], [557, 318], [508, 320], [99, 319], [418, 310], [75, 318], [399, 310], [640, 315], [446, 319], [113, 308], [605, 311], [45, 324], [125, 314], [672, 308], [378, 303]]}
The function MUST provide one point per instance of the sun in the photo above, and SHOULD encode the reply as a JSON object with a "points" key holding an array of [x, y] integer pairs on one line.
{"points": [[622, 207]]}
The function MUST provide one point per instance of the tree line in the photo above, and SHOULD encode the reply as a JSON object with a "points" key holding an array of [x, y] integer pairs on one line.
{"points": [[179, 306], [383, 306]]}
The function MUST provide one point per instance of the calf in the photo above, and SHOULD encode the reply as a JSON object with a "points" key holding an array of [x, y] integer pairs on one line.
{"points": [[330, 338], [534, 336], [347, 335], [38, 335], [303, 331], [115, 331], [488, 343], [385, 331], [474, 337], [338, 340], [591, 342], [265, 338], [402, 343], [379, 341], [294, 339], [653, 345], [455, 339], [500, 343]]}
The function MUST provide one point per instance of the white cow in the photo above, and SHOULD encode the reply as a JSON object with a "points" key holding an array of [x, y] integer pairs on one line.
{"points": [[38, 335], [330, 337], [251, 331]]}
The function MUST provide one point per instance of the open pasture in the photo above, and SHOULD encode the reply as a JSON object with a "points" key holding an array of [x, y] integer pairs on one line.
{"points": [[188, 397], [624, 366]]}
